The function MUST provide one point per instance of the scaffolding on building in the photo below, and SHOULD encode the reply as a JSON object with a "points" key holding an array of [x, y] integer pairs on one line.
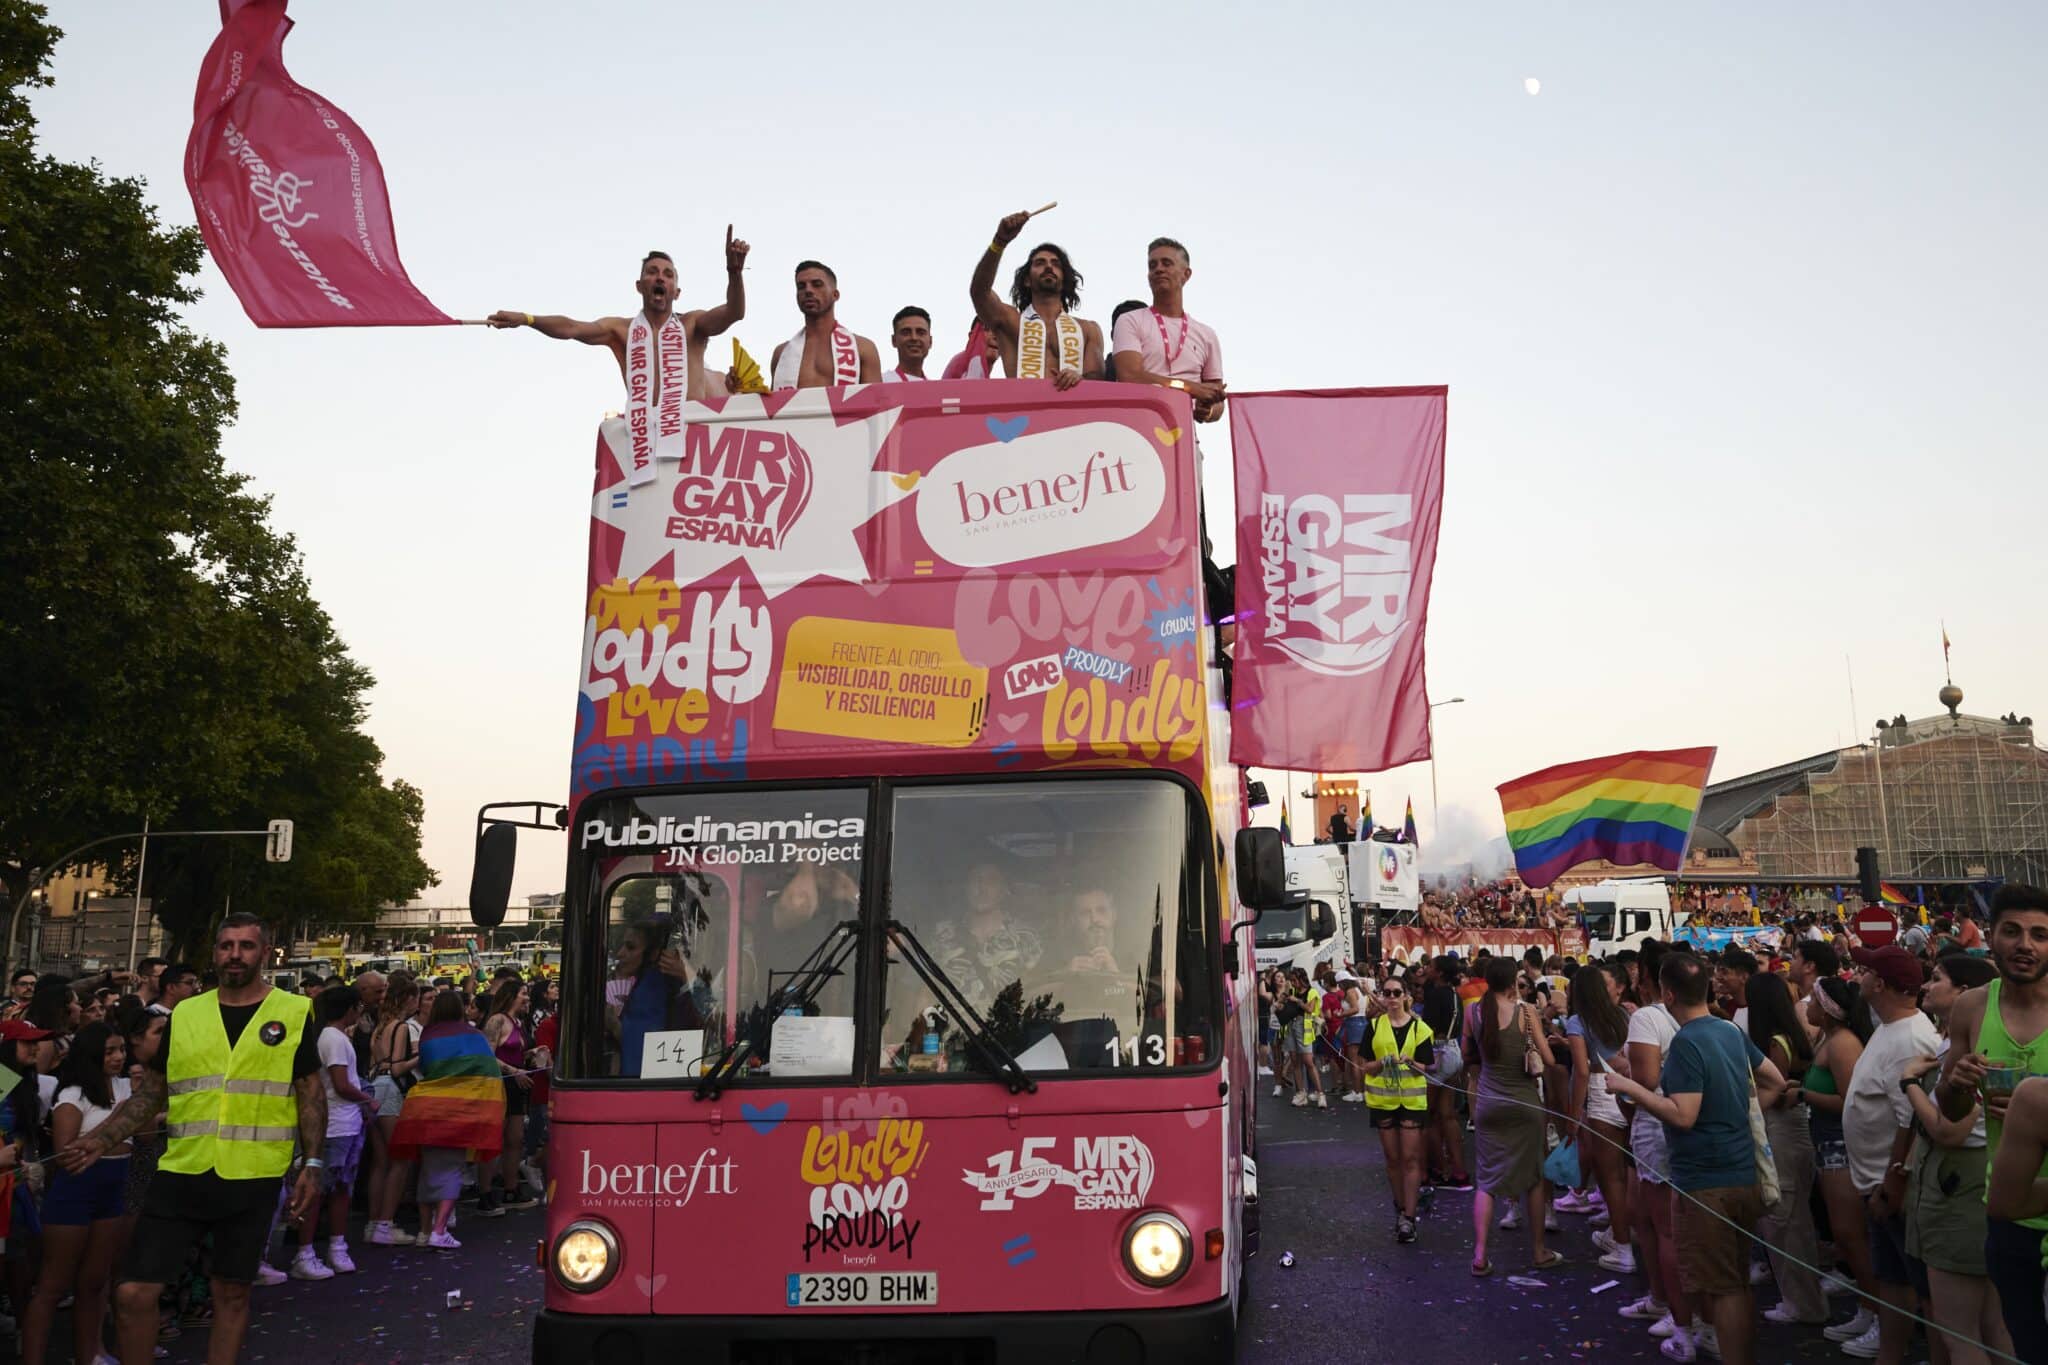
{"points": [[1949, 798]]}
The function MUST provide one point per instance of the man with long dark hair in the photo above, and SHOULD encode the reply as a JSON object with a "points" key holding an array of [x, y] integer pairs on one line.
{"points": [[1036, 331]]}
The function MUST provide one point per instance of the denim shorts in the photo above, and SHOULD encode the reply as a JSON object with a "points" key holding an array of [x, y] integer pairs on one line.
{"points": [[344, 1153], [1830, 1154], [98, 1192]]}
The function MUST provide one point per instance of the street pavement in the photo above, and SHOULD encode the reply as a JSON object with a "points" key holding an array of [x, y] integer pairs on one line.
{"points": [[1353, 1293]]}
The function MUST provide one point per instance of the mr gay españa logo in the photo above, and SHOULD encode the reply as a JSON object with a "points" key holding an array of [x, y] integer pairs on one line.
{"points": [[743, 486], [1335, 578]]}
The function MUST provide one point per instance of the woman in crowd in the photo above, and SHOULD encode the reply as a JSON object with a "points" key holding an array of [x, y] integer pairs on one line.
{"points": [[1402, 1051], [1787, 1229], [21, 1122], [505, 1028], [1836, 1008], [1512, 1052], [1945, 1187], [1352, 1020], [449, 1119], [1595, 1033], [81, 1213], [394, 1066], [1667, 1307], [54, 1008]]}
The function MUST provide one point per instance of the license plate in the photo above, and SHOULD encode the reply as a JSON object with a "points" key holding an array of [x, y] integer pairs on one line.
{"points": [[871, 1289]]}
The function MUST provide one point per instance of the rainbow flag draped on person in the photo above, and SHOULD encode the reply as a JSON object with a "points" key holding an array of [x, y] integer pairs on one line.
{"points": [[460, 1098], [1627, 808]]}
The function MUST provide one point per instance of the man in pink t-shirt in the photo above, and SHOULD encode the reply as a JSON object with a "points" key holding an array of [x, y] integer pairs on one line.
{"points": [[1162, 345]]}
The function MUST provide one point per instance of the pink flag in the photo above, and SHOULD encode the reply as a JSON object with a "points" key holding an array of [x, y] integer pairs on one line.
{"points": [[1338, 497], [288, 190]]}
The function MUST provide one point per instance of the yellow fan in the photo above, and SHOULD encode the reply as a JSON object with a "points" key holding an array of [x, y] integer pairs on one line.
{"points": [[746, 371]]}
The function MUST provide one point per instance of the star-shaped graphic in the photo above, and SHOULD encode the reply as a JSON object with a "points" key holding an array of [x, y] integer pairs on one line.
{"points": [[819, 477]]}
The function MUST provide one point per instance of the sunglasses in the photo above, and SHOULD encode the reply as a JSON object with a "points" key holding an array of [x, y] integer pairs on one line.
{"points": [[1392, 990]]}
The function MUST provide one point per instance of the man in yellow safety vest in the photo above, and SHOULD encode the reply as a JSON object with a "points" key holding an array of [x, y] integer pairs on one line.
{"points": [[238, 1076]]}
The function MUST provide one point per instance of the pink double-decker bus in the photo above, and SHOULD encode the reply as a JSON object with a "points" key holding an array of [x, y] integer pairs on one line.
{"points": [[905, 1012]]}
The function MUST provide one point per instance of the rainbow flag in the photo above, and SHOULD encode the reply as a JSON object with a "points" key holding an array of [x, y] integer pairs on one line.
{"points": [[1891, 895], [1408, 835], [1627, 808], [460, 1098]]}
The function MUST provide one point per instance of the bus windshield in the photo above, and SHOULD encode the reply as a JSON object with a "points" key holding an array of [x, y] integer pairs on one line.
{"points": [[1067, 915], [1282, 928]]}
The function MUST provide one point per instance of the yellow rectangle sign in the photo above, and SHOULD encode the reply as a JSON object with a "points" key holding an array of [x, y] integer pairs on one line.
{"points": [[886, 683]]}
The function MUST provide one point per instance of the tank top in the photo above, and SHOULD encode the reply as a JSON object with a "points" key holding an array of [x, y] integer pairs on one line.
{"points": [[1821, 1124], [1999, 1049], [512, 1052]]}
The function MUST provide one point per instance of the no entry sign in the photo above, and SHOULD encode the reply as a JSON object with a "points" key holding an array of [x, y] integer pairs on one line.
{"points": [[1875, 927]]}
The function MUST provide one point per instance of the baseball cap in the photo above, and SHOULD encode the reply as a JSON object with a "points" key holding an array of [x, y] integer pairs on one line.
{"points": [[1892, 965], [21, 1031]]}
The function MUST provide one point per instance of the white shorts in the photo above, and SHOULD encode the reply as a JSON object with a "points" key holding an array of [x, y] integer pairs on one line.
{"points": [[1600, 1106], [388, 1096]]}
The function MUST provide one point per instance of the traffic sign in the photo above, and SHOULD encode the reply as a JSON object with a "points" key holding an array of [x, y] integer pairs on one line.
{"points": [[279, 849], [1875, 926]]}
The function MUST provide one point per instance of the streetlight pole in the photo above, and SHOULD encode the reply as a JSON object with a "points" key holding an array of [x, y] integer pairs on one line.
{"points": [[1434, 828]]}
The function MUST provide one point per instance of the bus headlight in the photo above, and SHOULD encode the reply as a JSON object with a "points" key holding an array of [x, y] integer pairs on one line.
{"points": [[586, 1256], [1157, 1249]]}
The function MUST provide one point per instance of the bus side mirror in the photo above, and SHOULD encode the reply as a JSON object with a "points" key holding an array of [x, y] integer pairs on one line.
{"points": [[1261, 869], [490, 879]]}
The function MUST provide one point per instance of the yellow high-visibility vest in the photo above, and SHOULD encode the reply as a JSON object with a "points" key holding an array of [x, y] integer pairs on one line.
{"points": [[1397, 1087], [231, 1109]]}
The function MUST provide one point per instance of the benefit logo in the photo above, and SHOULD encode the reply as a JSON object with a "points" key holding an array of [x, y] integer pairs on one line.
{"points": [[744, 486], [1336, 577], [1001, 503]]}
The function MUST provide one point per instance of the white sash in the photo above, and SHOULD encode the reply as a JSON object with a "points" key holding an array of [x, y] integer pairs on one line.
{"points": [[1031, 344], [845, 360], [654, 427]]}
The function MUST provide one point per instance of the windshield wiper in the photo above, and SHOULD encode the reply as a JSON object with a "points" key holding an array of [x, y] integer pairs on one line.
{"points": [[825, 962], [979, 1034]]}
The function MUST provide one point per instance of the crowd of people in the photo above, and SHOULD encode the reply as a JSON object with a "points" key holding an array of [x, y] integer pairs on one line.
{"points": [[123, 1192], [1869, 1123]]}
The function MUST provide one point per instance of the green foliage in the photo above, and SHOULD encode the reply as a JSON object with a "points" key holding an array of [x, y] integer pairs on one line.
{"points": [[161, 650]]}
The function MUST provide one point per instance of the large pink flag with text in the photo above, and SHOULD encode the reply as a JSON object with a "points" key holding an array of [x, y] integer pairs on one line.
{"points": [[1339, 493], [289, 192]]}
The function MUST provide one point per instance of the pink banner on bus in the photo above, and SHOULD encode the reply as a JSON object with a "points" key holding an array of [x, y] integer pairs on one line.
{"points": [[289, 192], [1339, 493]]}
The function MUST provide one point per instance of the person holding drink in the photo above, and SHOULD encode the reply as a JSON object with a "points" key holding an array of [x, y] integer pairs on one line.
{"points": [[1998, 1038]]}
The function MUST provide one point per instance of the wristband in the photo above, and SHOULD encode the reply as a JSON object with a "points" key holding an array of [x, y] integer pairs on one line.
{"points": [[1180, 384], [995, 248], [529, 319], [313, 1163]]}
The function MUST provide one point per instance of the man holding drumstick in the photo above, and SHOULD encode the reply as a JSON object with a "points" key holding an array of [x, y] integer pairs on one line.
{"points": [[1036, 332]]}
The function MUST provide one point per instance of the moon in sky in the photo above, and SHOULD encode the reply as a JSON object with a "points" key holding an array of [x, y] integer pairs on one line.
{"points": [[1533, 86]]}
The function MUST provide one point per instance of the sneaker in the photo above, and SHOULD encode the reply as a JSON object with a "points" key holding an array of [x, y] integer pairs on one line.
{"points": [[1784, 1316], [385, 1235], [1512, 1219], [1322, 1100], [489, 1206], [337, 1257], [521, 1198], [1864, 1347], [530, 1172], [1601, 1219], [1353, 1097], [1759, 1272], [1707, 1343], [1645, 1309], [1678, 1346], [1604, 1241], [441, 1241], [266, 1273], [1550, 1221], [1301, 1099], [1622, 1262], [1664, 1326], [1836, 1285], [1404, 1229], [1571, 1201], [1853, 1328], [1276, 1091], [306, 1266], [1457, 1182], [1265, 1070]]}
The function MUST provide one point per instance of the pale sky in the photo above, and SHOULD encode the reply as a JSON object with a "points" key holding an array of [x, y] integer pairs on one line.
{"points": [[1740, 316]]}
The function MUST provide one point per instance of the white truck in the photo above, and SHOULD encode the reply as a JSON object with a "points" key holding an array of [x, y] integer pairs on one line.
{"points": [[1316, 927], [1624, 913]]}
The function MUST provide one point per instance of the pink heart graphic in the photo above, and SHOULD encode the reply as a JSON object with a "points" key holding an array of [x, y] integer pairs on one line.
{"points": [[1172, 548], [1196, 1117], [649, 1287], [1010, 725]]}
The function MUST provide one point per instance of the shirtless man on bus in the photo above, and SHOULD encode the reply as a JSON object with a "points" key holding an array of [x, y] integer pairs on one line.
{"points": [[1037, 332], [657, 289], [824, 354]]}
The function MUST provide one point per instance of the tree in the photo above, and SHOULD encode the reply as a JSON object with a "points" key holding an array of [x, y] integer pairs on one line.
{"points": [[161, 650]]}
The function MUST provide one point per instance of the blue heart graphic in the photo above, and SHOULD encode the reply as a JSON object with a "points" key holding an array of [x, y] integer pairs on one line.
{"points": [[766, 1118], [1009, 431]]}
